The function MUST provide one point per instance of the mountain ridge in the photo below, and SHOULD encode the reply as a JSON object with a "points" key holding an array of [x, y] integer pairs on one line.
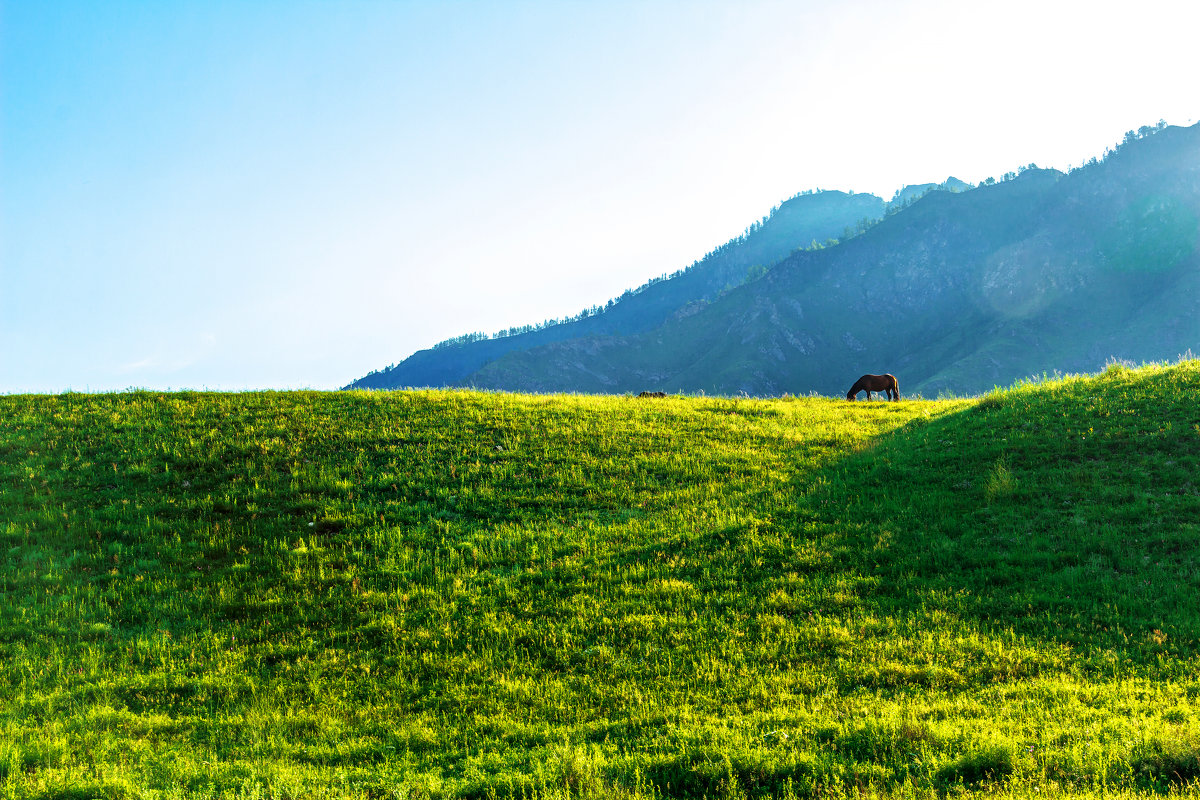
{"points": [[807, 219], [953, 291]]}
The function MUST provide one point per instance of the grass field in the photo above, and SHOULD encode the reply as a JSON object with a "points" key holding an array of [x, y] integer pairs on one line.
{"points": [[454, 594]]}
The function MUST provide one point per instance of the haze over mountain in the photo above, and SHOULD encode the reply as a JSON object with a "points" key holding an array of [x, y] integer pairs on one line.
{"points": [[951, 289], [806, 219]]}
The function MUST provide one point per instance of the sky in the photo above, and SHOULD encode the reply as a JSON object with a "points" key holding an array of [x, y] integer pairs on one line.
{"points": [[280, 194]]}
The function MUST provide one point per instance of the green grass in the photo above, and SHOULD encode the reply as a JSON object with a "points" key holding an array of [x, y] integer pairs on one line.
{"points": [[454, 594]]}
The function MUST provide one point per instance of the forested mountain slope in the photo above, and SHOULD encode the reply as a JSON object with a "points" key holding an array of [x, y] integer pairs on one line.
{"points": [[804, 220], [956, 292]]}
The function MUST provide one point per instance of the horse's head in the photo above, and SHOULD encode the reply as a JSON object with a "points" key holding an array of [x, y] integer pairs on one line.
{"points": [[851, 396]]}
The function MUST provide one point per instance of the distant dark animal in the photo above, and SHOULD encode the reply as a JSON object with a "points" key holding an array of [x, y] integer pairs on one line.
{"points": [[875, 383], [652, 394]]}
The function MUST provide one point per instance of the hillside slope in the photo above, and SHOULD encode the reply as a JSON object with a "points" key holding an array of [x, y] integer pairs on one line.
{"points": [[957, 292], [456, 594], [798, 222]]}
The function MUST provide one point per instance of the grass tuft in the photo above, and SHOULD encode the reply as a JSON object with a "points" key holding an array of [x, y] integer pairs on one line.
{"points": [[1000, 482], [991, 763]]}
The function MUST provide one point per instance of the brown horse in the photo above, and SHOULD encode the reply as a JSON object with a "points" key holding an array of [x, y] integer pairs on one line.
{"points": [[875, 383]]}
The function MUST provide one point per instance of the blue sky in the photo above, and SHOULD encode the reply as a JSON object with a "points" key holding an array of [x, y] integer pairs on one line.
{"points": [[238, 195]]}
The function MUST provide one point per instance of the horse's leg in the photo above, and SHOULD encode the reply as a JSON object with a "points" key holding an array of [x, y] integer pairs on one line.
{"points": [[868, 394]]}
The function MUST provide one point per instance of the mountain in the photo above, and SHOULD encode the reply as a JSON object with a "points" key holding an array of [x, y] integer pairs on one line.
{"points": [[805, 220], [953, 292], [911, 193]]}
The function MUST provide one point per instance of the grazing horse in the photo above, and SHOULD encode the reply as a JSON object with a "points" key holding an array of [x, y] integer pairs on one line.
{"points": [[652, 394], [875, 383]]}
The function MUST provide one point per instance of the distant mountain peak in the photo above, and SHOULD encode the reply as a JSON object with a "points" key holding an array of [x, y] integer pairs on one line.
{"points": [[910, 192]]}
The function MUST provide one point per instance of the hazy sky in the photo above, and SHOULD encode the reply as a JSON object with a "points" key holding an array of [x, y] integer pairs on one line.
{"points": [[287, 194]]}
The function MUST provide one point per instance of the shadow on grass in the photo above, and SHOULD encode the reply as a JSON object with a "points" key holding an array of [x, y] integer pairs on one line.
{"points": [[1067, 512]]}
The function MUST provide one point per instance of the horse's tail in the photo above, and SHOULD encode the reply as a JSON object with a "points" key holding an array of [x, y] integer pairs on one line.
{"points": [[895, 387]]}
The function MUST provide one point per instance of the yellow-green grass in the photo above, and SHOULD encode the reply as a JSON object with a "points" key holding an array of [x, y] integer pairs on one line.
{"points": [[454, 594]]}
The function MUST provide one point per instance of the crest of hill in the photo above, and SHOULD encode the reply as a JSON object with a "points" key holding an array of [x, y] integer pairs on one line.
{"points": [[955, 293]]}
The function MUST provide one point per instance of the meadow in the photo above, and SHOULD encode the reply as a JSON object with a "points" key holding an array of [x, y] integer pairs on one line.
{"points": [[442, 594]]}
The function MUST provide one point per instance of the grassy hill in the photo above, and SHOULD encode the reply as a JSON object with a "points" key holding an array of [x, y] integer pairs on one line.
{"points": [[455, 594]]}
